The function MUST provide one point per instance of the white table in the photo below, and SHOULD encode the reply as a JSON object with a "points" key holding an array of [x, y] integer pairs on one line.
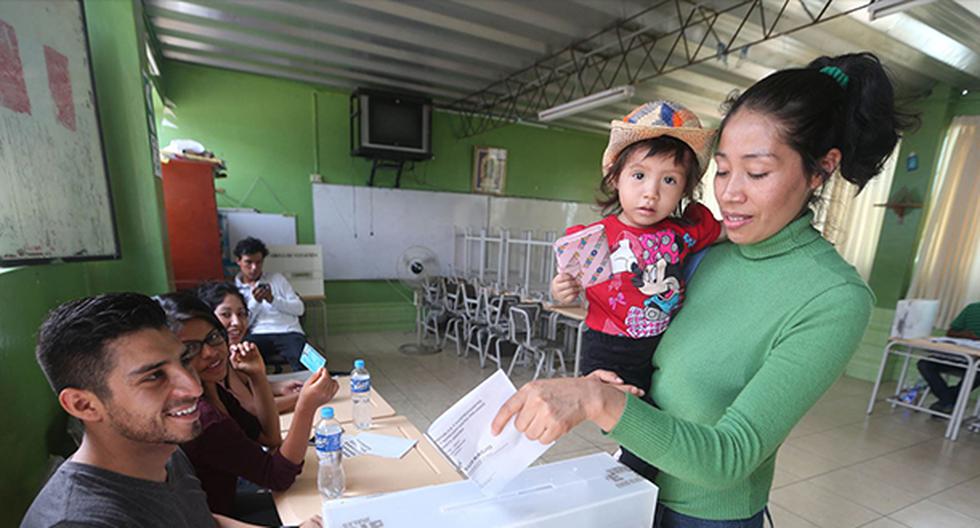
{"points": [[922, 350], [342, 405], [423, 465]]}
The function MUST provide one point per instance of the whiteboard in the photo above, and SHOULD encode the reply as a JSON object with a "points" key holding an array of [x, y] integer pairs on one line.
{"points": [[521, 214], [270, 228], [365, 230], [55, 200]]}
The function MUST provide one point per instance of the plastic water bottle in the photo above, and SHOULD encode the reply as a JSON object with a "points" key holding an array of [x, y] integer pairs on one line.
{"points": [[910, 394], [329, 435], [360, 395]]}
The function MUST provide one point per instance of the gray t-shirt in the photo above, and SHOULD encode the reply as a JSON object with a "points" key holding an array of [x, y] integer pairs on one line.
{"points": [[80, 495]]}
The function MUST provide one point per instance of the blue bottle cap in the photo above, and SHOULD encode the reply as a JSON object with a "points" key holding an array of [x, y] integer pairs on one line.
{"points": [[326, 413], [359, 363]]}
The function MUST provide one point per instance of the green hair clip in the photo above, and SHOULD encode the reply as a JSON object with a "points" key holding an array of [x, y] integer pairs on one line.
{"points": [[837, 74]]}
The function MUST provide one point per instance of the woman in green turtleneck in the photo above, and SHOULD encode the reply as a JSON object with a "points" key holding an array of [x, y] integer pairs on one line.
{"points": [[771, 318]]}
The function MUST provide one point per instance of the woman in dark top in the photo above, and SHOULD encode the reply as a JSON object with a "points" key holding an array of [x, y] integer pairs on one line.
{"points": [[228, 446], [230, 308]]}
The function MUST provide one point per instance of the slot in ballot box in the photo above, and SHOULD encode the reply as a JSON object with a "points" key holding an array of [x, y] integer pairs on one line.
{"points": [[593, 490]]}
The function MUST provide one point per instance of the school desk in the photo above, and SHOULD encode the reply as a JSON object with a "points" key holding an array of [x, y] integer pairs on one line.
{"points": [[922, 350]]}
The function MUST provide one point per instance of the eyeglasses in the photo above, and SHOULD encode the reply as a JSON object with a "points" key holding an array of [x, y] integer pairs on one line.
{"points": [[193, 347]]}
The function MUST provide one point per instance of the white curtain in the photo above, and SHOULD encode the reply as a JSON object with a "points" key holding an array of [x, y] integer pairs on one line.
{"points": [[853, 223], [860, 219], [946, 265]]}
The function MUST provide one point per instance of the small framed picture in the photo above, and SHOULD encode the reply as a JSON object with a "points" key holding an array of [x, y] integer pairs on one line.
{"points": [[489, 170]]}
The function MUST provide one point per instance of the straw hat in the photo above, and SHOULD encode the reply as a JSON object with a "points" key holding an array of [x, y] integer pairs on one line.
{"points": [[655, 119]]}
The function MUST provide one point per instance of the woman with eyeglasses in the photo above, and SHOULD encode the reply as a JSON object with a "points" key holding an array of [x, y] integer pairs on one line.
{"points": [[230, 308], [230, 443]]}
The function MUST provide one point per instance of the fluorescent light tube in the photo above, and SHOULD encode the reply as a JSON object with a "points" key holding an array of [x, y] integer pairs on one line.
{"points": [[596, 100]]}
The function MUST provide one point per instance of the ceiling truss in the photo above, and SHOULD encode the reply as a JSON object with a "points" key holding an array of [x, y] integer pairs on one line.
{"points": [[631, 53]]}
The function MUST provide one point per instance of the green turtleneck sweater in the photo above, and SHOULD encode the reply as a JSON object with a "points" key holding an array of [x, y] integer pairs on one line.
{"points": [[765, 330]]}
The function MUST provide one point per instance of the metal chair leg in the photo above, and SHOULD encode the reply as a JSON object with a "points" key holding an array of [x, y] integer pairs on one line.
{"points": [[537, 371], [517, 354]]}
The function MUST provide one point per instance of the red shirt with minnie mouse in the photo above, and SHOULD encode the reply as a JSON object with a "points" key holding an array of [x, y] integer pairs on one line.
{"points": [[647, 287]]}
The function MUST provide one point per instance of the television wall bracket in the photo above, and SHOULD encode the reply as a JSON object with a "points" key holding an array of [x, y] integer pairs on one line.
{"points": [[396, 165]]}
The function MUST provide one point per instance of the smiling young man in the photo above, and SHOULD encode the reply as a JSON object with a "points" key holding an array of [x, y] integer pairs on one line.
{"points": [[115, 365]]}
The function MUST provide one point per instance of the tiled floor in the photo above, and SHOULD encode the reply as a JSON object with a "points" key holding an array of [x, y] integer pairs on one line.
{"points": [[839, 468]]}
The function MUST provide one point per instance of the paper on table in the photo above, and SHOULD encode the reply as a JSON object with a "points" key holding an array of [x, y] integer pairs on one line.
{"points": [[376, 444], [463, 434]]}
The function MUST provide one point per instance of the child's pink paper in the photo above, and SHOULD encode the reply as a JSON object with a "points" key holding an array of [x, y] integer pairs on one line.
{"points": [[585, 256]]}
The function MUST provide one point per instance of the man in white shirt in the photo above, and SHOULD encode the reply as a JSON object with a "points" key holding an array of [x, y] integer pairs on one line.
{"points": [[273, 306]]}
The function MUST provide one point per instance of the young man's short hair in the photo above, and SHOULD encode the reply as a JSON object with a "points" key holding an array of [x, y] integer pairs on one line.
{"points": [[72, 344], [250, 246]]}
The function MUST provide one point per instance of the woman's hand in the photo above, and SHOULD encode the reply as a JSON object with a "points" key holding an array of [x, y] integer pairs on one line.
{"points": [[245, 357], [319, 389], [312, 522], [564, 288], [613, 380], [285, 388], [545, 410]]}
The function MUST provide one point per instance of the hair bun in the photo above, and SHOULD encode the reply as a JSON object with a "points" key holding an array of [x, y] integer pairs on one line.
{"points": [[869, 106]]}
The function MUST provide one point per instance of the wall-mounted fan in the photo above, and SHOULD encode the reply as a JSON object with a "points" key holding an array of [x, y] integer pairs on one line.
{"points": [[418, 268]]}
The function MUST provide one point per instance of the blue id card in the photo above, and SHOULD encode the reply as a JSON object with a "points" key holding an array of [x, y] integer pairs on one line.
{"points": [[312, 359]]}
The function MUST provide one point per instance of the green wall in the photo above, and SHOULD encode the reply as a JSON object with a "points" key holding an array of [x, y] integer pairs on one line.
{"points": [[34, 423], [894, 260], [895, 257], [968, 104], [263, 129]]}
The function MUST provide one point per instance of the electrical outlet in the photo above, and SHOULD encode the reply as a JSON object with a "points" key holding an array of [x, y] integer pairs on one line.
{"points": [[316, 178]]}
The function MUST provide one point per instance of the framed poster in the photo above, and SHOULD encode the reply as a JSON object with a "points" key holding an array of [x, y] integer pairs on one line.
{"points": [[55, 201], [489, 170]]}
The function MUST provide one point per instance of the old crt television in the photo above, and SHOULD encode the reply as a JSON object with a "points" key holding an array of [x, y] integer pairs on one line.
{"points": [[390, 126]]}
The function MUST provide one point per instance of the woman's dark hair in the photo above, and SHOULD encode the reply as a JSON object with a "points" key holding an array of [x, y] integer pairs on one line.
{"points": [[670, 146], [816, 113], [184, 306], [213, 293]]}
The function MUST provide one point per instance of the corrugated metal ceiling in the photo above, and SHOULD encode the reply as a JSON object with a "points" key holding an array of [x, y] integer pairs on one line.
{"points": [[448, 49]]}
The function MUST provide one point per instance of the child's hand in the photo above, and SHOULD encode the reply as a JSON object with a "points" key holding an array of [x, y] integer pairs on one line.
{"points": [[564, 288]]}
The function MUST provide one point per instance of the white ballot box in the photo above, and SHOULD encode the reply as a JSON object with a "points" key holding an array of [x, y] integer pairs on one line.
{"points": [[593, 490]]}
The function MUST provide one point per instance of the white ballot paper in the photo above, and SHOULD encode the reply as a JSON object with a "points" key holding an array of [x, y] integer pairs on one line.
{"points": [[376, 444], [463, 435]]}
